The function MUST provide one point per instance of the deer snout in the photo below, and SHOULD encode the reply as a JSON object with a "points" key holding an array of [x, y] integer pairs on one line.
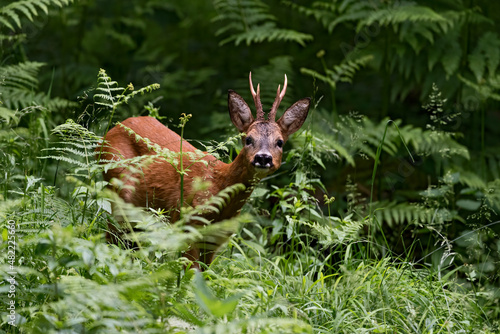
{"points": [[263, 160]]}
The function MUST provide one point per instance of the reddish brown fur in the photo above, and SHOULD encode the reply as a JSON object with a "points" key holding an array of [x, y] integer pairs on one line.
{"points": [[158, 185]]}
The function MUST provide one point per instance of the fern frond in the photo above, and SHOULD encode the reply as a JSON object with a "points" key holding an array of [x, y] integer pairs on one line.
{"points": [[401, 13], [71, 161], [11, 14], [77, 147], [111, 95], [344, 72], [488, 89], [249, 21], [492, 195], [268, 32], [359, 136], [12, 38], [486, 56], [468, 178], [214, 204], [394, 213], [22, 75], [434, 142], [72, 130], [7, 115], [81, 298], [331, 14], [335, 231], [83, 152], [367, 12], [141, 91], [19, 86]]}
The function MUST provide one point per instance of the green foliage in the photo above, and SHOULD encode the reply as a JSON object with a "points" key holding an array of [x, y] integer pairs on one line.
{"points": [[356, 298], [111, 96], [19, 88], [409, 40], [24, 124], [11, 15], [366, 13], [343, 72], [383, 217], [249, 21], [485, 57]]}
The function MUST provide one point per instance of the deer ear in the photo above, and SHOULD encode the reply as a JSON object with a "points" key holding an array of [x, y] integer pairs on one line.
{"points": [[294, 117], [240, 112]]}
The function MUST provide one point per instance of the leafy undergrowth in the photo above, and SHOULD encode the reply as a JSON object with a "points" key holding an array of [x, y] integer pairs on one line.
{"points": [[370, 297], [288, 268], [68, 280]]}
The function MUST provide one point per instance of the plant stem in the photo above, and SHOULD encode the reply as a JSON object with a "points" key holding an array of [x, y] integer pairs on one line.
{"points": [[181, 171], [184, 119], [483, 153]]}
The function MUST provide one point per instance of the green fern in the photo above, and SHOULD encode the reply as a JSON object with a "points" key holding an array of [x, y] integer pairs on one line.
{"points": [[487, 89], [434, 210], [331, 14], [359, 136], [249, 21], [111, 96], [403, 12], [367, 12], [492, 195], [344, 72], [418, 43], [213, 205], [19, 88], [78, 143], [334, 231], [11, 15], [486, 56], [76, 148], [7, 115], [392, 214]]}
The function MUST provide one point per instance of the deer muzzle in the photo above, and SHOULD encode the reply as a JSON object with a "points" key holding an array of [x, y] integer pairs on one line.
{"points": [[263, 160]]}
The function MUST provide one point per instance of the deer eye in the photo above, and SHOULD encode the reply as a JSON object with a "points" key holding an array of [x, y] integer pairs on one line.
{"points": [[279, 143], [249, 141]]}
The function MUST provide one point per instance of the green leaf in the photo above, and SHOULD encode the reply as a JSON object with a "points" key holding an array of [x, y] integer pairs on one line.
{"points": [[210, 303], [468, 204], [451, 58], [486, 55], [477, 65], [250, 22]]}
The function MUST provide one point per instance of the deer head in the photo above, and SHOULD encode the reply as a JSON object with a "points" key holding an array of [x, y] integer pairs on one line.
{"points": [[264, 139]]}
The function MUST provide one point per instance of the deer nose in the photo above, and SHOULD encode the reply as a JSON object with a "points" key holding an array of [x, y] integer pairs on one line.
{"points": [[263, 161]]}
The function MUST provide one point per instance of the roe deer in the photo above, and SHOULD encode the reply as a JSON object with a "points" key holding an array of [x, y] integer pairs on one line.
{"points": [[158, 185]]}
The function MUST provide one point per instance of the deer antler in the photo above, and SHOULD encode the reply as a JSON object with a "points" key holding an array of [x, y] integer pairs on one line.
{"points": [[277, 101], [256, 99]]}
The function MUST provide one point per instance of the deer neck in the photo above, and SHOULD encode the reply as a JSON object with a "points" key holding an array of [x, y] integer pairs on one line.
{"points": [[239, 171], [227, 175]]}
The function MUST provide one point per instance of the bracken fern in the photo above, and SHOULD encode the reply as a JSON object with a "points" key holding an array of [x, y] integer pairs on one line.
{"points": [[249, 21]]}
